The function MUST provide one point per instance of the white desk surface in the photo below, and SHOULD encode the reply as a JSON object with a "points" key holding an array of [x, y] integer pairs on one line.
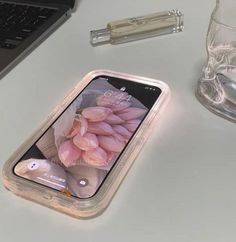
{"points": [[182, 187]]}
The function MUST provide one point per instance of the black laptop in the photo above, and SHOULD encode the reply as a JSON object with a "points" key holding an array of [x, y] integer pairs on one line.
{"points": [[25, 23]]}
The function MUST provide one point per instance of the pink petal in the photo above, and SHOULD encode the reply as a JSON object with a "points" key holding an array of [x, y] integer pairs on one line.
{"points": [[74, 130], [132, 125], [69, 153], [100, 128], [80, 125], [110, 143], [114, 119], [131, 113], [96, 114], [120, 106], [119, 137], [122, 131], [111, 156], [95, 157], [133, 121], [87, 142], [83, 125]]}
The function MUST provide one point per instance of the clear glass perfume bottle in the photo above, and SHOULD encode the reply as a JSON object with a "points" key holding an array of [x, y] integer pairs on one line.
{"points": [[217, 86], [137, 28]]}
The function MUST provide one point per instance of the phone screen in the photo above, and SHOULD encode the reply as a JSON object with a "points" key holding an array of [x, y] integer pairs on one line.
{"points": [[77, 152]]}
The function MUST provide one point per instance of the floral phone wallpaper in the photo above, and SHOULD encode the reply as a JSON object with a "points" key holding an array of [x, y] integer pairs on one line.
{"points": [[79, 149]]}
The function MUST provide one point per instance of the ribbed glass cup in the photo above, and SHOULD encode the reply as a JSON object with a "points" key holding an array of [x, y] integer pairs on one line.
{"points": [[216, 88]]}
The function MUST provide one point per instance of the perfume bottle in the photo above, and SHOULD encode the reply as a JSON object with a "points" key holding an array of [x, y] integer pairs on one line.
{"points": [[137, 28]]}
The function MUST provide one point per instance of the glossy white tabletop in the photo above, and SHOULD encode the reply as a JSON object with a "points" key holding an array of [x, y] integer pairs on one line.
{"points": [[182, 187]]}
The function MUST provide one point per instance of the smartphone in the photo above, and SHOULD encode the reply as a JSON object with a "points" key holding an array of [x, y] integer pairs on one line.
{"points": [[76, 160]]}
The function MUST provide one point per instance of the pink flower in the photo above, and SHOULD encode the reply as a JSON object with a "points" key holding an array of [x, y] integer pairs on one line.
{"points": [[87, 142], [100, 133], [121, 105], [119, 137], [111, 156], [69, 153], [110, 143], [96, 157], [80, 126], [131, 113], [114, 119], [132, 125], [122, 131], [100, 128], [96, 114]]}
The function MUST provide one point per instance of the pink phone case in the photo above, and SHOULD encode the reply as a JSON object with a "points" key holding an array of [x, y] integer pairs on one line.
{"points": [[63, 202]]}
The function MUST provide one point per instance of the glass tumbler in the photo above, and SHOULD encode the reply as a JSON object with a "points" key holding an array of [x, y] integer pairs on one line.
{"points": [[216, 88]]}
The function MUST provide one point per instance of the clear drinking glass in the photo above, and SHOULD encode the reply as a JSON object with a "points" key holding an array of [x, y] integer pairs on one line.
{"points": [[217, 86]]}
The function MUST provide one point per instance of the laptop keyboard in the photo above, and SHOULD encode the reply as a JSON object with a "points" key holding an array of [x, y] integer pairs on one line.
{"points": [[17, 22]]}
